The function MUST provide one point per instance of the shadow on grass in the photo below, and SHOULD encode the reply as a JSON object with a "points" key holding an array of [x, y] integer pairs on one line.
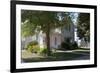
{"points": [[59, 56]]}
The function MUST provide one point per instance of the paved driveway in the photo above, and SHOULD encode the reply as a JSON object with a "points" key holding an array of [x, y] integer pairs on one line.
{"points": [[85, 54]]}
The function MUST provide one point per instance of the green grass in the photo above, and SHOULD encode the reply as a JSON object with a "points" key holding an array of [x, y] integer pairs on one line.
{"points": [[84, 48]]}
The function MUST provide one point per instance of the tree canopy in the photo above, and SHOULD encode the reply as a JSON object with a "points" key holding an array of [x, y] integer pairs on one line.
{"points": [[83, 27], [33, 21]]}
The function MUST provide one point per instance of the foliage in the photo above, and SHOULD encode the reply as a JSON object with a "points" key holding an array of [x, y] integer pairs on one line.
{"points": [[39, 20], [33, 43], [67, 45], [34, 21], [33, 47], [83, 27], [43, 51], [30, 49], [74, 45]]}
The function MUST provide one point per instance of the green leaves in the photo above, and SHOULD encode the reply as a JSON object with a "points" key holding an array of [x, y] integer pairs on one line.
{"points": [[83, 27], [42, 20], [28, 29]]}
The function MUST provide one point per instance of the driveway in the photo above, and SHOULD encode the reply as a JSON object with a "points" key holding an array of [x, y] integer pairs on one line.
{"points": [[85, 54]]}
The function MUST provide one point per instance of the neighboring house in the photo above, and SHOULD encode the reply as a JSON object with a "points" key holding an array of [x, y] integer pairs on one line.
{"points": [[83, 44], [57, 36]]}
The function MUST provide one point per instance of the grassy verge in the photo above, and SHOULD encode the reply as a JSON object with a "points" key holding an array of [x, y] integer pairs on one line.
{"points": [[84, 48]]}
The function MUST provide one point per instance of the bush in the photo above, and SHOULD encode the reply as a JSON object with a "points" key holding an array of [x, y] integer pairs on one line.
{"points": [[35, 43], [43, 51], [33, 47], [31, 44], [30, 48], [67, 45], [75, 45]]}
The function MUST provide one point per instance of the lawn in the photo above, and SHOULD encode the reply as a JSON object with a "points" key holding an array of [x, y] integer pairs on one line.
{"points": [[57, 56]]}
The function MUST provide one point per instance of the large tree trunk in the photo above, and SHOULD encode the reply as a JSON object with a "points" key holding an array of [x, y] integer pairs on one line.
{"points": [[48, 41]]}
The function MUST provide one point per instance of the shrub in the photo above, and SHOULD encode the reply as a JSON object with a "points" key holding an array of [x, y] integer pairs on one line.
{"points": [[75, 45], [30, 48], [67, 45], [35, 43], [43, 51], [33, 47]]}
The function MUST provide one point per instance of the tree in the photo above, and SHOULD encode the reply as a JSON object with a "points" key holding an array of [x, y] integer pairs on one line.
{"points": [[45, 21], [83, 27]]}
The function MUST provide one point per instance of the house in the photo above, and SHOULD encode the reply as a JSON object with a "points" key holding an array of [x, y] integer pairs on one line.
{"points": [[57, 36]]}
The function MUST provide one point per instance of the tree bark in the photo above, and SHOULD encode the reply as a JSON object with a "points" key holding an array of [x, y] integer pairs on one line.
{"points": [[48, 41]]}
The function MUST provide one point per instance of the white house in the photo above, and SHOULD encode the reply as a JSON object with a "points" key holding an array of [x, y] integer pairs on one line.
{"points": [[56, 37]]}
